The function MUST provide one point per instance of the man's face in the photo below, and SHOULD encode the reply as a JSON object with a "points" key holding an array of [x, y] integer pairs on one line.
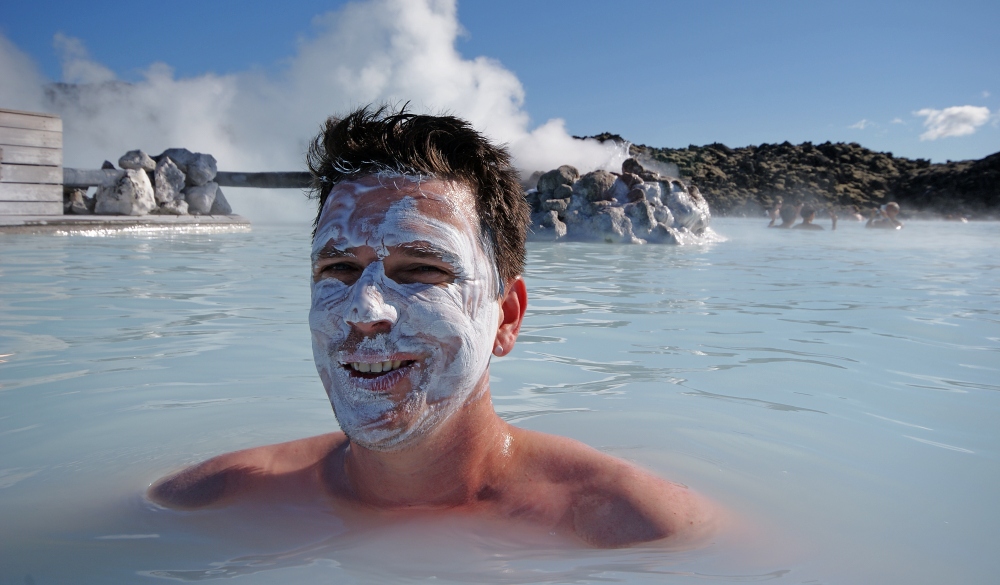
{"points": [[404, 306]]}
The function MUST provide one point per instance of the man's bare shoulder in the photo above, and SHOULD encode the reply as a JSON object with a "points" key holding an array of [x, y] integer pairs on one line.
{"points": [[231, 476], [610, 502]]}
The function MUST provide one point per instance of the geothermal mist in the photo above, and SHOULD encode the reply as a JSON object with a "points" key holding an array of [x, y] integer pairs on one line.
{"points": [[377, 51]]}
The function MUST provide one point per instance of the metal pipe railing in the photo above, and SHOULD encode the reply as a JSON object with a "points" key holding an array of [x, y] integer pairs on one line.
{"points": [[277, 180]]}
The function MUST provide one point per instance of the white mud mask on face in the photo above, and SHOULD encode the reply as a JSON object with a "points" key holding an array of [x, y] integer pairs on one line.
{"points": [[397, 355]]}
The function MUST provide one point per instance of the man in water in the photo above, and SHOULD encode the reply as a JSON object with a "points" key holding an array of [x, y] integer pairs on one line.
{"points": [[809, 214], [417, 254], [887, 220], [788, 212]]}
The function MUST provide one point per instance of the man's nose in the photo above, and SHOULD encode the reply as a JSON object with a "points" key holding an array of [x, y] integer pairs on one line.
{"points": [[368, 312]]}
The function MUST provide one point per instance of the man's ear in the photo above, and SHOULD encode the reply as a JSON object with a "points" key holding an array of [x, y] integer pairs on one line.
{"points": [[512, 307]]}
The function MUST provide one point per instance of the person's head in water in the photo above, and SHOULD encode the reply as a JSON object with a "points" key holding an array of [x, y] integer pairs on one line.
{"points": [[788, 213], [421, 226], [381, 141], [885, 217], [808, 214], [417, 252]]}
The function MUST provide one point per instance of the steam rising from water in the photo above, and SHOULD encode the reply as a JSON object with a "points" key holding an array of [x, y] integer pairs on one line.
{"points": [[375, 51]]}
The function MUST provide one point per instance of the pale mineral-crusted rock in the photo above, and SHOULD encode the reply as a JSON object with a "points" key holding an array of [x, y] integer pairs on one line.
{"points": [[220, 206], [689, 212], [619, 191], [181, 157], [632, 166], [531, 196], [137, 159], [662, 214], [547, 225], [198, 168], [576, 222], [578, 204], [643, 217], [663, 234], [172, 207], [76, 202], [636, 206], [561, 192], [595, 186], [130, 195], [201, 169], [636, 194], [169, 181], [596, 206], [611, 225], [201, 197], [557, 205], [631, 179], [564, 175], [653, 191]]}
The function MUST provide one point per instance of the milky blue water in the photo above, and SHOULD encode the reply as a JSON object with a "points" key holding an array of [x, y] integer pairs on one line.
{"points": [[837, 392]]}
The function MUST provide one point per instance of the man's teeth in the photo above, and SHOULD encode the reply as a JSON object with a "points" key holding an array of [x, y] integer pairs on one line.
{"points": [[376, 367]]}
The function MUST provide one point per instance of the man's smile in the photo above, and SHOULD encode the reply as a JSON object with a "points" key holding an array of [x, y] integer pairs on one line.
{"points": [[375, 369]]}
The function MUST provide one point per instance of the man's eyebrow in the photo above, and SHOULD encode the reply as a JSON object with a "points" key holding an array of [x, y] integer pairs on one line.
{"points": [[331, 251], [425, 250]]}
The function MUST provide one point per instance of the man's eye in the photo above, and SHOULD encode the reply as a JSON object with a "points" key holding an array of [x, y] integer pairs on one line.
{"points": [[421, 273], [339, 270], [431, 269], [337, 267]]}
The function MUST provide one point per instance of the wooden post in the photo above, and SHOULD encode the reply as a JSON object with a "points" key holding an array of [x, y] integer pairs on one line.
{"points": [[30, 163]]}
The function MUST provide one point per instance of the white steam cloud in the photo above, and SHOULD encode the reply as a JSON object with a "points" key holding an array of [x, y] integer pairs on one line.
{"points": [[953, 121], [21, 88], [376, 51]]}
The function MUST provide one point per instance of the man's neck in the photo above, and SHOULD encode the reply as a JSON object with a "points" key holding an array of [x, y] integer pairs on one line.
{"points": [[456, 465]]}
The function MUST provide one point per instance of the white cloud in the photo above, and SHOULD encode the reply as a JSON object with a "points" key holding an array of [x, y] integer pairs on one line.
{"points": [[897, 121], [953, 121], [374, 51], [986, 94], [861, 125]]}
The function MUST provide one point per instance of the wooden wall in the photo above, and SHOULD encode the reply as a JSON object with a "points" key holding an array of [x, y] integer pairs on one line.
{"points": [[30, 163]]}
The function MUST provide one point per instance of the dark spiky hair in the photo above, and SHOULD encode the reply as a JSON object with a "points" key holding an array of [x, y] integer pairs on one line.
{"points": [[372, 140]]}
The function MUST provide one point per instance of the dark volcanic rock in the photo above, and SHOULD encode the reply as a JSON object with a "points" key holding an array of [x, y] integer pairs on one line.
{"points": [[743, 181]]}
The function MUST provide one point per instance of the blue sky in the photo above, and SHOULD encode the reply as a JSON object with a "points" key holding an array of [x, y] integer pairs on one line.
{"points": [[658, 73]]}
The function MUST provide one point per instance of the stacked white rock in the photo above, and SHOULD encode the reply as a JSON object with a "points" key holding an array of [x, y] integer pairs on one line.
{"points": [[635, 206], [168, 184], [176, 182], [132, 194]]}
